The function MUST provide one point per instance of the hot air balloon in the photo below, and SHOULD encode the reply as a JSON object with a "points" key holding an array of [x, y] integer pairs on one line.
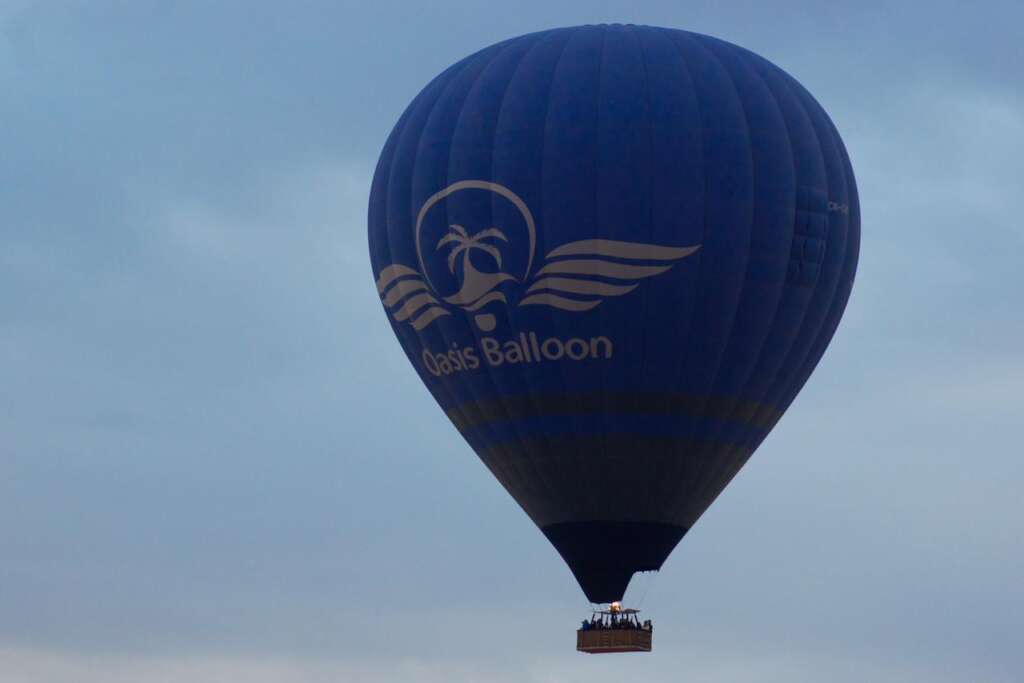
{"points": [[614, 255]]}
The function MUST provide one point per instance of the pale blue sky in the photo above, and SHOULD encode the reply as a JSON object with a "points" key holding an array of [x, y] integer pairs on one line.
{"points": [[216, 464]]}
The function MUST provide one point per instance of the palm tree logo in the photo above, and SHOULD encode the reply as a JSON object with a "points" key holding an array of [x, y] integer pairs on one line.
{"points": [[573, 277], [477, 288]]}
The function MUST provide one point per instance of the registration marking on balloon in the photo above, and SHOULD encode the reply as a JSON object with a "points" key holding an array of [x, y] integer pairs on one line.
{"points": [[574, 277]]}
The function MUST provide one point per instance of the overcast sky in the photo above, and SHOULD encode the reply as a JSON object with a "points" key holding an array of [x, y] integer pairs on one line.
{"points": [[217, 465]]}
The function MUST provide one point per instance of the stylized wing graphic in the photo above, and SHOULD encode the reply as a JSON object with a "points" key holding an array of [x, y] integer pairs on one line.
{"points": [[407, 297], [589, 270]]}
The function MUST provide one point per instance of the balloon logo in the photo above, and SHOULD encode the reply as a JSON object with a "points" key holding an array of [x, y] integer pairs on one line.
{"points": [[592, 269], [614, 255]]}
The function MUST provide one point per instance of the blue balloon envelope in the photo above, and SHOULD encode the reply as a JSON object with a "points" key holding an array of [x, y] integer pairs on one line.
{"points": [[614, 255]]}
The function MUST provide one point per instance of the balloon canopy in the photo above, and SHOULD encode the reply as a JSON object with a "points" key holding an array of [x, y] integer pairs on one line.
{"points": [[614, 255]]}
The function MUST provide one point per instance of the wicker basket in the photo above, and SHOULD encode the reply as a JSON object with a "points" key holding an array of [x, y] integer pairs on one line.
{"points": [[601, 640]]}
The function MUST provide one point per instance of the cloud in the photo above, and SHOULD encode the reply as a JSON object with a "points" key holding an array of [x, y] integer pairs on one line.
{"points": [[316, 209], [738, 665], [217, 463]]}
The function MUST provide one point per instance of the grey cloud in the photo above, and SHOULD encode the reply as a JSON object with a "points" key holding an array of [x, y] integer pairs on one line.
{"points": [[216, 462]]}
